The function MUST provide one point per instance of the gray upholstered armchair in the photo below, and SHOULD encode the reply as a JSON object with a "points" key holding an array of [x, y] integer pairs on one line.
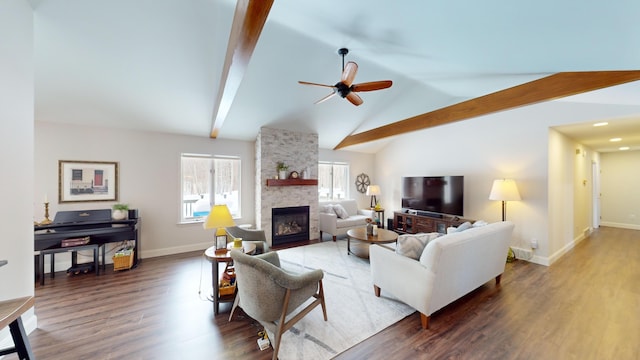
{"points": [[251, 235], [268, 293]]}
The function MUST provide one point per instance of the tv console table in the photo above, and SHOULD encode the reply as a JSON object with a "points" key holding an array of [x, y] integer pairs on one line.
{"points": [[405, 223]]}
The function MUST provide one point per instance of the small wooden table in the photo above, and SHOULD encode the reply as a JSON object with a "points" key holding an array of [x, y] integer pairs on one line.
{"points": [[360, 234], [379, 216], [223, 258]]}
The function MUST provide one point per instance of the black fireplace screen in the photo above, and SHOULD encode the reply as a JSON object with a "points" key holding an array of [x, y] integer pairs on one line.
{"points": [[289, 224]]}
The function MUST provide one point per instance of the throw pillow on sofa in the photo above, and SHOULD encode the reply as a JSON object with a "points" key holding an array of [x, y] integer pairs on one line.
{"points": [[464, 226], [412, 246], [340, 211], [327, 209]]}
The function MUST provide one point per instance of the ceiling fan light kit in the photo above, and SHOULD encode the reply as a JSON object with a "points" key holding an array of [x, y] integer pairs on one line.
{"points": [[345, 87]]}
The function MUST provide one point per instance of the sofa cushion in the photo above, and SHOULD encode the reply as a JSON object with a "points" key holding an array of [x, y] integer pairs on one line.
{"points": [[327, 209], [464, 226], [412, 245], [340, 211], [351, 221]]}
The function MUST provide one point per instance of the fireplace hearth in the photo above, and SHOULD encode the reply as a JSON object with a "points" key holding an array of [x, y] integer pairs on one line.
{"points": [[289, 224]]}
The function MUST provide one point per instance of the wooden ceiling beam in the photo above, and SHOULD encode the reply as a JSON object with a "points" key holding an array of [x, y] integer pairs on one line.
{"points": [[248, 20], [548, 88]]}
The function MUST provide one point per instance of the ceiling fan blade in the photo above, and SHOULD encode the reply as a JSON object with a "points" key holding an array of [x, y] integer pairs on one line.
{"points": [[326, 98], [315, 84], [354, 98], [349, 73], [371, 86]]}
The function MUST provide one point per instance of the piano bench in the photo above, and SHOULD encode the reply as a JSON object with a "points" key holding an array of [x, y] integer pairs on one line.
{"points": [[74, 257], [11, 314]]}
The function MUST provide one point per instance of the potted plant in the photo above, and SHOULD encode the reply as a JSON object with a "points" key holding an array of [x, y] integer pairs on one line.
{"points": [[282, 170], [120, 211]]}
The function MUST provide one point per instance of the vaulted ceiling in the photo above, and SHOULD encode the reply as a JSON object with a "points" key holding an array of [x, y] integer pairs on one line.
{"points": [[160, 65]]}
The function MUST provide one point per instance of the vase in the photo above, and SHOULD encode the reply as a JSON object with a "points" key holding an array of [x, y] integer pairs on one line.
{"points": [[119, 214], [282, 174]]}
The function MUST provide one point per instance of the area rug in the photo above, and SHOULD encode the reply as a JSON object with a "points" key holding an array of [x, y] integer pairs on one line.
{"points": [[354, 313]]}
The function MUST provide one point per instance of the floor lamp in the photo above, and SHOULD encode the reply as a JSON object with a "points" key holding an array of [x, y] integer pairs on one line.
{"points": [[504, 190]]}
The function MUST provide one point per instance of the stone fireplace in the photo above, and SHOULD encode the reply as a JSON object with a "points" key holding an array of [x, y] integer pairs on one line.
{"points": [[299, 151], [289, 224]]}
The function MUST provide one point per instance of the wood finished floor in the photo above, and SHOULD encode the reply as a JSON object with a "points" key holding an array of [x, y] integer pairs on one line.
{"points": [[585, 306]]}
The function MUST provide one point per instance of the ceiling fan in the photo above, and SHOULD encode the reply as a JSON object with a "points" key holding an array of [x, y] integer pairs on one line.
{"points": [[345, 87]]}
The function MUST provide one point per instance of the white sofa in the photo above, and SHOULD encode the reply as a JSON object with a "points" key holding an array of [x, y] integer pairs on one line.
{"points": [[449, 267], [332, 224]]}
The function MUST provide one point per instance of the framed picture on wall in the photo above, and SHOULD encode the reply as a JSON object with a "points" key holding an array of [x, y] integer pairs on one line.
{"points": [[80, 181]]}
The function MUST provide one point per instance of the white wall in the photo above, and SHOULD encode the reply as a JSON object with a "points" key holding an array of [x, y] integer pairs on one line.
{"points": [[511, 144], [16, 149], [149, 166], [620, 190], [570, 193]]}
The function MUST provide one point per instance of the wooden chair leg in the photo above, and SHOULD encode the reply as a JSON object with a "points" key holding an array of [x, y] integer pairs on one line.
{"points": [[281, 326], [321, 297], [424, 319], [334, 238], [376, 290], [498, 278]]}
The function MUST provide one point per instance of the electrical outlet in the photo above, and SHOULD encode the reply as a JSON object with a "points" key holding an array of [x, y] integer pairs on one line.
{"points": [[534, 243]]}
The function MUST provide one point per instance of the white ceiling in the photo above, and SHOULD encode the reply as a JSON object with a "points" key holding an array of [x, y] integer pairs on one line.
{"points": [[156, 65]]}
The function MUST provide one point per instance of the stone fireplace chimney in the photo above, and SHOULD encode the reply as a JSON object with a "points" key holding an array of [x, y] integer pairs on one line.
{"points": [[297, 150]]}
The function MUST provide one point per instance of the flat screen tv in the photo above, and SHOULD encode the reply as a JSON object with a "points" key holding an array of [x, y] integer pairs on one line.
{"points": [[433, 194]]}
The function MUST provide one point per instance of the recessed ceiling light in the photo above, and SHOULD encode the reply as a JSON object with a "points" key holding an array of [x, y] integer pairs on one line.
{"points": [[601, 124], [615, 139], [623, 148]]}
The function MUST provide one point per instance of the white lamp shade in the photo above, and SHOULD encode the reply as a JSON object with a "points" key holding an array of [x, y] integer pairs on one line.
{"points": [[504, 190], [373, 190]]}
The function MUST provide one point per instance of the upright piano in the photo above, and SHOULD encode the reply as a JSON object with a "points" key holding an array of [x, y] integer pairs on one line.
{"points": [[96, 224]]}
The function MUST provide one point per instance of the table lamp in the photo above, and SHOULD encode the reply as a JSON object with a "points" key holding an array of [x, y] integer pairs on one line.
{"points": [[219, 218], [373, 190], [504, 190]]}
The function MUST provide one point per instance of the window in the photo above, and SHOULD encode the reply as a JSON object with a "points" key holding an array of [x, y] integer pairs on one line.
{"points": [[333, 181], [203, 175]]}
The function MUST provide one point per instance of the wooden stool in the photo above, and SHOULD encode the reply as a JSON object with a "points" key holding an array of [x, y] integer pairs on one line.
{"points": [[11, 314]]}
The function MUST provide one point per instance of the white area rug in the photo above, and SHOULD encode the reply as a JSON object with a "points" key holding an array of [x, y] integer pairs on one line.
{"points": [[354, 313]]}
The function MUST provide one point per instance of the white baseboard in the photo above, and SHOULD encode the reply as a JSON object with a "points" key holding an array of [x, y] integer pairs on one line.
{"points": [[63, 260], [175, 250], [620, 225]]}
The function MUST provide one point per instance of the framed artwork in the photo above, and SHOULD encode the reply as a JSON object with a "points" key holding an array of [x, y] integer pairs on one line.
{"points": [[80, 181]]}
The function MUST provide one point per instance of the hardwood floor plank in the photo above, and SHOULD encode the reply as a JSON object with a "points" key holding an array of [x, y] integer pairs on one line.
{"points": [[585, 306]]}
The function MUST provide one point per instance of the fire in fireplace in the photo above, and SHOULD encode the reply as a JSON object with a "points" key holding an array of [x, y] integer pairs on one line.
{"points": [[289, 224]]}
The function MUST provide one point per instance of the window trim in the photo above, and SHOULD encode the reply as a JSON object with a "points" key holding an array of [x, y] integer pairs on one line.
{"points": [[212, 158], [333, 164]]}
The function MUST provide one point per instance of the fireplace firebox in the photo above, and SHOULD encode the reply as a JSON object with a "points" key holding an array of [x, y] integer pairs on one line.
{"points": [[289, 224]]}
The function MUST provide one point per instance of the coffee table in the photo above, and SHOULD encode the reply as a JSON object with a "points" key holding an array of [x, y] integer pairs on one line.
{"points": [[225, 258], [363, 241]]}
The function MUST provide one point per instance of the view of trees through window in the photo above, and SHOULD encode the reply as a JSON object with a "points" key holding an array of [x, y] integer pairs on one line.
{"points": [[202, 176], [333, 181]]}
